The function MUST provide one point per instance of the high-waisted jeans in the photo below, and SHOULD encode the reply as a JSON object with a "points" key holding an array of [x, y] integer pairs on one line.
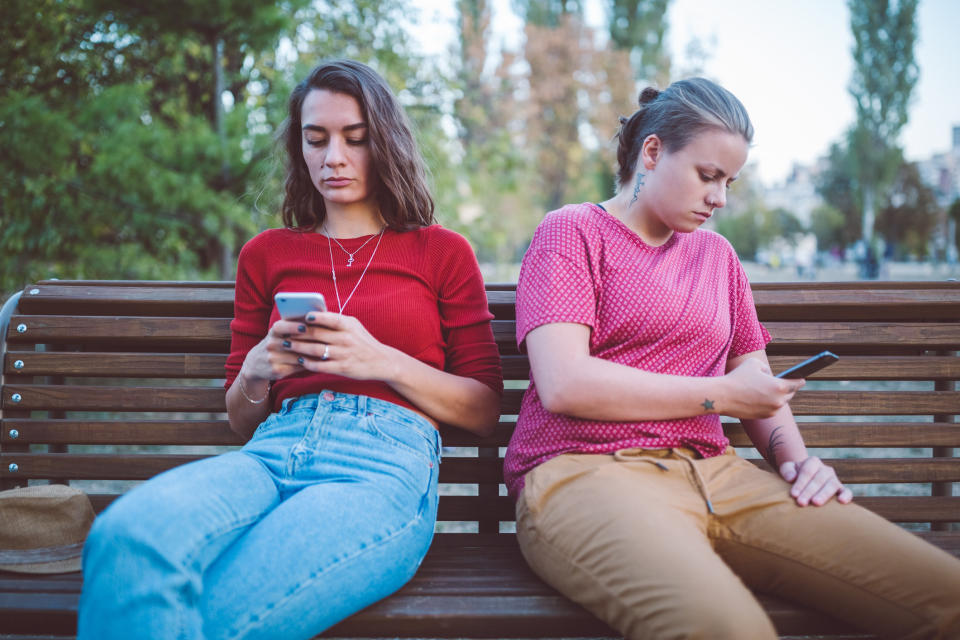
{"points": [[328, 508]]}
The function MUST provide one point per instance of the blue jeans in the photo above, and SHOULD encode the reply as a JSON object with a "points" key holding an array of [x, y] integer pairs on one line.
{"points": [[328, 508]]}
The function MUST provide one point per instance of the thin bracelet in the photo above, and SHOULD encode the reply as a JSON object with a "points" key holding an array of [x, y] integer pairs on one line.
{"points": [[249, 399]]}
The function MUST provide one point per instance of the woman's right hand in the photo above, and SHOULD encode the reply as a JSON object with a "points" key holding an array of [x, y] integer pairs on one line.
{"points": [[271, 359], [751, 391]]}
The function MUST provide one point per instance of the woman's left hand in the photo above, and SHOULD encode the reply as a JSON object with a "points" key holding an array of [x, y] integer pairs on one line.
{"points": [[814, 482], [341, 345]]}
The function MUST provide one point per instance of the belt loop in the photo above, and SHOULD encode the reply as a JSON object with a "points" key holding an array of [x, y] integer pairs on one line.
{"points": [[361, 404]]}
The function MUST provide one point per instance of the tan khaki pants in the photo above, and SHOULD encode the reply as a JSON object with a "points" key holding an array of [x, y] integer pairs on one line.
{"points": [[629, 536]]}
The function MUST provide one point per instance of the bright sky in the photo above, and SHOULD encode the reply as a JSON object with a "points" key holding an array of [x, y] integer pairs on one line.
{"points": [[789, 62]]}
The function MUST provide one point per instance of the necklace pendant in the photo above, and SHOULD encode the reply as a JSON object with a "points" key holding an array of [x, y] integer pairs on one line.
{"points": [[349, 261]]}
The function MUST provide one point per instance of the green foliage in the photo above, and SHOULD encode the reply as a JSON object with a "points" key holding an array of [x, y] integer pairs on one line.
{"points": [[639, 26], [885, 69], [838, 185], [754, 230], [749, 225], [492, 199], [104, 195], [827, 223], [547, 13], [908, 222], [885, 73], [125, 167]]}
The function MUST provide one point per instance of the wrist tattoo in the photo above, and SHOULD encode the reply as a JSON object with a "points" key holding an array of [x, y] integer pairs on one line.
{"points": [[636, 188], [707, 404], [775, 441]]}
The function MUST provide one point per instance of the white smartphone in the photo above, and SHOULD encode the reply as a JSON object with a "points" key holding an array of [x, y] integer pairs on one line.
{"points": [[296, 305]]}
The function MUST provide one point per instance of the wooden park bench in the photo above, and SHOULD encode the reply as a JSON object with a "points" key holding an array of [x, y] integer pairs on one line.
{"points": [[108, 383]]}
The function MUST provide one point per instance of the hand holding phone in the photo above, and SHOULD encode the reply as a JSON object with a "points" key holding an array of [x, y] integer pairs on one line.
{"points": [[809, 366], [296, 305]]}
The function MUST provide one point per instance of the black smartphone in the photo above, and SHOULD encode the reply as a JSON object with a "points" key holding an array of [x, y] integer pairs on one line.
{"points": [[810, 366]]}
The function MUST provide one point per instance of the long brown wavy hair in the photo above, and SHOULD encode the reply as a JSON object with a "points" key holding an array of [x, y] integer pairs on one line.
{"points": [[397, 168]]}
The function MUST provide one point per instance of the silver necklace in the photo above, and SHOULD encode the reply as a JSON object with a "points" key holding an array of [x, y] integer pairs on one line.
{"points": [[333, 271], [349, 255]]}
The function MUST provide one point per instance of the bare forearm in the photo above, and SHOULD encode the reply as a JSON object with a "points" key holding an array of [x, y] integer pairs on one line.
{"points": [[445, 397], [243, 414], [777, 438], [590, 387]]}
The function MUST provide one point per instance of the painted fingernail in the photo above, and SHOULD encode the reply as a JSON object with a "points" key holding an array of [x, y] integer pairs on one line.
{"points": [[301, 328], [300, 359], [286, 344], [311, 318]]}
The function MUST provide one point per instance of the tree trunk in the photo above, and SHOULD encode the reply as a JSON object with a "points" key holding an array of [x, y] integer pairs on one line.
{"points": [[869, 214], [226, 254], [871, 256]]}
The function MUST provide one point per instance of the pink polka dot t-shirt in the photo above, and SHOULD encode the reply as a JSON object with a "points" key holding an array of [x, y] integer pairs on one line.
{"points": [[682, 308]]}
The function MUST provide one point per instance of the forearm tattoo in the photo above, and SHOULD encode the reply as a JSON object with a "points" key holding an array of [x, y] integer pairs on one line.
{"points": [[775, 441], [636, 187], [707, 404]]}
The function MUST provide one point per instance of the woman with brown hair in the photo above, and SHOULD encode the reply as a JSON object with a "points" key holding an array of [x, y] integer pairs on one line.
{"points": [[331, 504], [641, 331]]}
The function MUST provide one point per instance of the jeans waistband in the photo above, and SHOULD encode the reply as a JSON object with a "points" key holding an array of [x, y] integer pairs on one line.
{"points": [[361, 405]]}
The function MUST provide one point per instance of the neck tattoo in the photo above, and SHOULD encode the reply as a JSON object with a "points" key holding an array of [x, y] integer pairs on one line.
{"points": [[333, 271], [636, 188]]}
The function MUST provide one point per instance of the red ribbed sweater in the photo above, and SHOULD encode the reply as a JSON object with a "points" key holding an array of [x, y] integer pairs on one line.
{"points": [[422, 294]]}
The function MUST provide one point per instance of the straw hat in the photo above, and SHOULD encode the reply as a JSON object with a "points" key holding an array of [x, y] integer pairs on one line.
{"points": [[42, 528]]}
